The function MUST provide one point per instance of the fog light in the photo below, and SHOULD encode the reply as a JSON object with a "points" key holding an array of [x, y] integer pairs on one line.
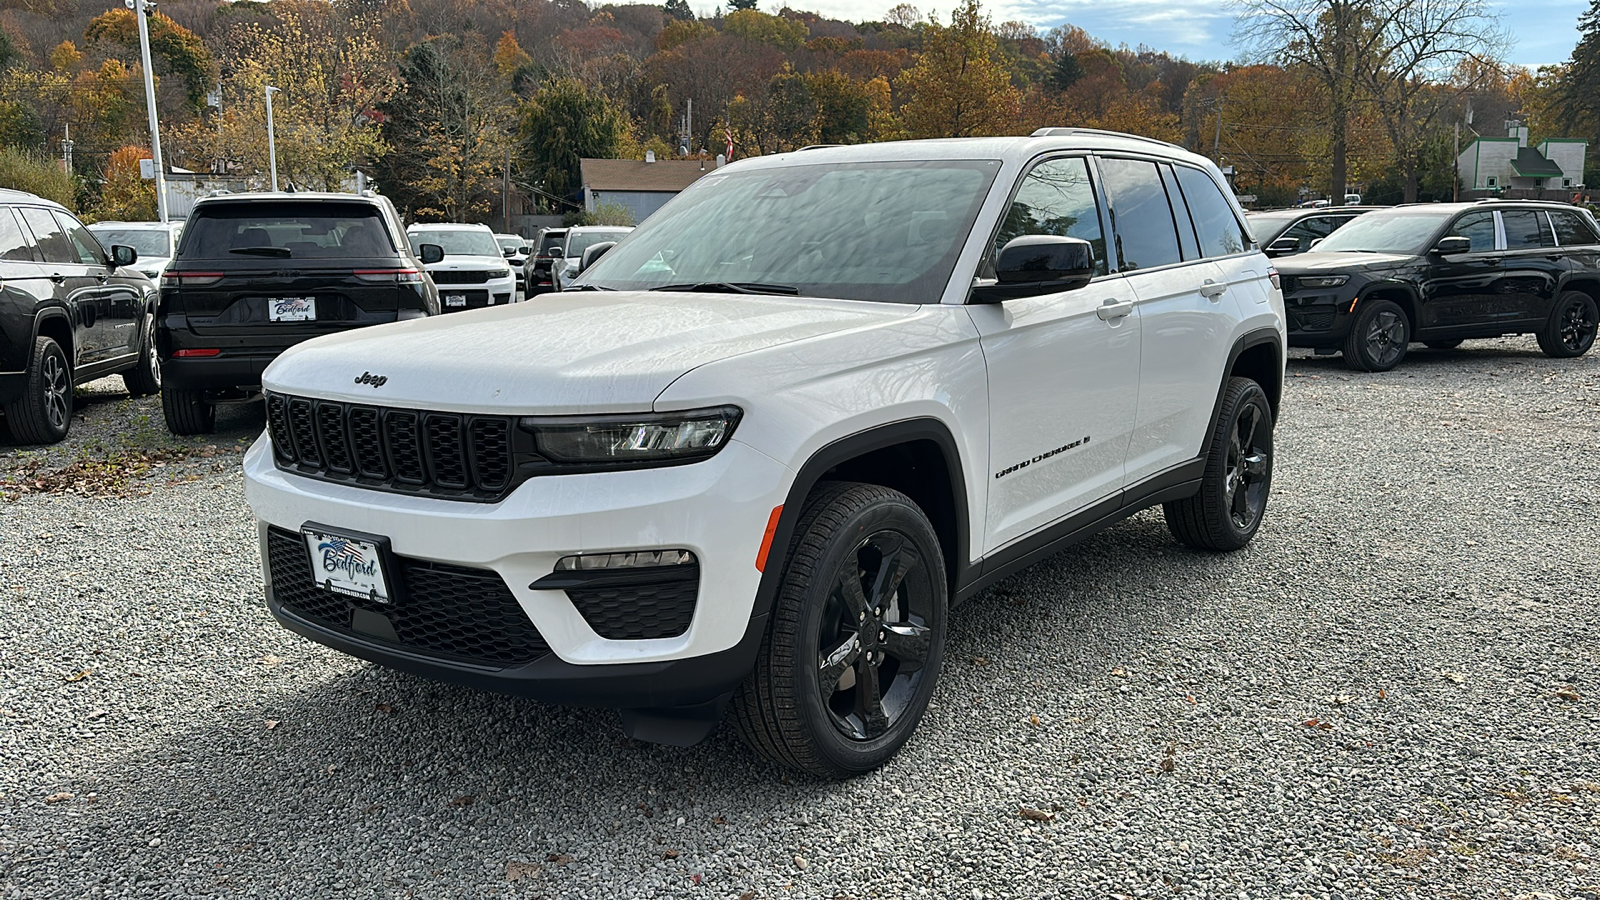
{"points": [[633, 559]]}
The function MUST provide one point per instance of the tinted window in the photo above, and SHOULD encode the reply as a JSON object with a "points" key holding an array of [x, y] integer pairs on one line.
{"points": [[1572, 228], [83, 243], [1187, 241], [1306, 231], [551, 240], [1398, 231], [1525, 229], [1146, 235], [286, 229], [583, 240], [52, 241], [455, 243], [14, 242], [1477, 227], [1219, 229], [149, 242], [1057, 198]]}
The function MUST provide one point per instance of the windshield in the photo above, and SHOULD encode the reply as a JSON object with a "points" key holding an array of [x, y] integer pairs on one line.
{"points": [[509, 243], [583, 240], [1387, 232], [285, 229], [455, 243], [150, 243], [886, 231]]}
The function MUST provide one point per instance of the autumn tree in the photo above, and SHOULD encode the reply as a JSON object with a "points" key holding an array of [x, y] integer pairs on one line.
{"points": [[509, 55], [180, 52], [560, 126], [957, 88], [124, 194]]}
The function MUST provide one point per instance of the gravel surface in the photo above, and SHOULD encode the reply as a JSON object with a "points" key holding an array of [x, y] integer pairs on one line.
{"points": [[1391, 693]]}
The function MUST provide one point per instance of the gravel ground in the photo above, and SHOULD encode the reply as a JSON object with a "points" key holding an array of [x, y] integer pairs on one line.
{"points": [[1390, 694]]}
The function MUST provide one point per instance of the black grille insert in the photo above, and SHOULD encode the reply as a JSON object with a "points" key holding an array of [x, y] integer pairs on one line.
{"points": [[661, 606], [448, 612]]}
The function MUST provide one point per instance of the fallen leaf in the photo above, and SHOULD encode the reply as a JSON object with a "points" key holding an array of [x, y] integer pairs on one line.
{"points": [[1192, 700], [95, 714], [1567, 693], [1455, 677], [517, 871], [270, 660], [560, 859], [59, 797], [980, 660], [1313, 723], [696, 878], [669, 854], [79, 676], [1341, 699], [748, 895], [1382, 694], [1034, 721], [384, 708], [1036, 815], [1167, 765], [1120, 672], [271, 724], [463, 800]]}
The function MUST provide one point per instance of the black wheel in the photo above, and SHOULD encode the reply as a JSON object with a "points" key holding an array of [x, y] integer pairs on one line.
{"points": [[1571, 328], [1378, 337], [857, 635], [43, 414], [1226, 512], [144, 378], [188, 412], [1442, 345]]}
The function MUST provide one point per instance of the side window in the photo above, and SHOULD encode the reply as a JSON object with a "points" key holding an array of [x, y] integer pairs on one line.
{"points": [[49, 237], [1146, 235], [1572, 229], [1057, 198], [83, 243], [1308, 230], [1219, 229], [15, 245], [1187, 242], [1525, 230], [1477, 227]]}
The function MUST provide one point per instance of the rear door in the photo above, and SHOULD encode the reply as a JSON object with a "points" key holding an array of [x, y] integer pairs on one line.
{"points": [[74, 285], [24, 288], [1533, 267]]}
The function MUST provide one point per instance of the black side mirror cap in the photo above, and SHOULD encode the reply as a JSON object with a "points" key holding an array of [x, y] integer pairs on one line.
{"points": [[1283, 247], [430, 254], [593, 253], [1453, 244], [1036, 264], [122, 255]]}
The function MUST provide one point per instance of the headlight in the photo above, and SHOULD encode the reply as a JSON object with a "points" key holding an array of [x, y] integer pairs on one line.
{"points": [[628, 441], [499, 273], [1322, 281]]}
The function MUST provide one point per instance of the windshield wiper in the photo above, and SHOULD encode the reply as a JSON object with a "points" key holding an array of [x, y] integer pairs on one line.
{"points": [[279, 252], [573, 288], [731, 287]]}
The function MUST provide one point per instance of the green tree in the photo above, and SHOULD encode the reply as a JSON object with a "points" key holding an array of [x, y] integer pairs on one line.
{"points": [[741, 4], [957, 88], [678, 9], [757, 26], [560, 126], [10, 55], [23, 171], [1574, 91], [180, 50]]}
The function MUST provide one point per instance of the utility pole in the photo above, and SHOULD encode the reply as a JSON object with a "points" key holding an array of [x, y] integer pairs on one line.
{"points": [[1216, 145], [505, 191], [1455, 167], [141, 10], [272, 142], [66, 150]]}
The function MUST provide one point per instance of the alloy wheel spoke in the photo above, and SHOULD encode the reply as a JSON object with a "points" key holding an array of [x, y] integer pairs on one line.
{"points": [[837, 662], [1255, 465], [849, 589], [869, 700], [907, 642], [891, 572]]}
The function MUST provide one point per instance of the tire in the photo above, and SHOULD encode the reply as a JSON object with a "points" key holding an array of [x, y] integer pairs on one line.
{"points": [[1232, 501], [805, 704], [144, 378], [1378, 337], [1442, 345], [1571, 328], [188, 412], [43, 414]]}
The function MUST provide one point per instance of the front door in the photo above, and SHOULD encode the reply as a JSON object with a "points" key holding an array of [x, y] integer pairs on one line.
{"points": [[1463, 289], [75, 285]]}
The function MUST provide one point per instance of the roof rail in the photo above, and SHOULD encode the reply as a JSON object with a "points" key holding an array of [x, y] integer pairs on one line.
{"points": [[1069, 132], [817, 147]]}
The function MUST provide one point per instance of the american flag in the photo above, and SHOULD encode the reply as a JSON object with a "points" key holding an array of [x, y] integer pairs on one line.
{"points": [[343, 549], [727, 130]]}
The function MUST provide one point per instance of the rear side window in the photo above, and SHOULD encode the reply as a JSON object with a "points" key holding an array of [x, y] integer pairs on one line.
{"points": [[1220, 234], [1477, 227], [286, 229], [1525, 230], [83, 243], [49, 237], [1572, 229], [1056, 198], [1146, 234], [15, 244], [1180, 209]]}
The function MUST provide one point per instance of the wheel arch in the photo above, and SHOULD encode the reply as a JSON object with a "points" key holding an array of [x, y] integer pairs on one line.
{"points": [[1584, 284], [1399, 294], [54, 323], [1257, 355]]}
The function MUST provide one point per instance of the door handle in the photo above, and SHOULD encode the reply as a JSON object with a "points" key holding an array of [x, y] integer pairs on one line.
{"points": [[1114, 309], [102, 277], [1211, 290], [57, 278]]}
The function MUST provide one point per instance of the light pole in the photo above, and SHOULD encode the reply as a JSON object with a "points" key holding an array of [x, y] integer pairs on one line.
{"points": [[141, 9], [272, 144]]}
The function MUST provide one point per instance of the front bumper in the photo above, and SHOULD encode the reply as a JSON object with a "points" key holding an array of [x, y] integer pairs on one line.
{"points": [[1318, 319], [12, 386], [716, 509]]}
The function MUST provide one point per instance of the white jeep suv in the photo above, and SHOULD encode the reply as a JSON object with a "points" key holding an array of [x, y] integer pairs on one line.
{"points": [[765, 442], [474, 272]]}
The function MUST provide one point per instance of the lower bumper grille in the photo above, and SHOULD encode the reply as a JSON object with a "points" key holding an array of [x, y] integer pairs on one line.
{"points": [[447, 612], [1313, 319], [653, 609]]}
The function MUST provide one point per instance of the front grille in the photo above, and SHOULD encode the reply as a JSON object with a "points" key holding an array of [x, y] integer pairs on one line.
{"points": [[649, 609], [1320, 319], [458, 457], [464, 277], [448, 612]]}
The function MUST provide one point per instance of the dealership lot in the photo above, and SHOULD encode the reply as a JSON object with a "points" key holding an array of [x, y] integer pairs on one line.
{"points": [[1390, 693]]}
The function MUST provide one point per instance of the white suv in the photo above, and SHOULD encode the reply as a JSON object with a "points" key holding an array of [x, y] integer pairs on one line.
{"points": [[474, 272], [767, 440], [579, 239]]}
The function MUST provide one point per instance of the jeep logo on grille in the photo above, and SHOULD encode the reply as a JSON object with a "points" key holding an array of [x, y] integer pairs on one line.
{"points": [[376, 381]]}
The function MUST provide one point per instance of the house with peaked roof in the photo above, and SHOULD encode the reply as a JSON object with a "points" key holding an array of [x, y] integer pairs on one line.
{"points": [[642, 186], [1498, 165]]}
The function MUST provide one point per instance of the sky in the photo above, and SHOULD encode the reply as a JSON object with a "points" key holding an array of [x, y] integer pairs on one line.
{"points": [[1545, 30]]}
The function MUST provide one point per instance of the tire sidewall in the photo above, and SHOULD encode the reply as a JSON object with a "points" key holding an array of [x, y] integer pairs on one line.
{"points": [[48, 347], [1358, 333], [1558, 315], [1250, 395]]}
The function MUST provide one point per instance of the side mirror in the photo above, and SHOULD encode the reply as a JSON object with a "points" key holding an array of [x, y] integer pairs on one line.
{"points": [[123, 256], [430, 254], [1453, 244], [552, 253], [1038, 264], [508, 252], [593, 253], [1283, 247]]}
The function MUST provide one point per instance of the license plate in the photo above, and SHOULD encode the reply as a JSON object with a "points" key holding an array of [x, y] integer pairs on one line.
{"points": [[455, 299], [347, 565], [291, 309]]}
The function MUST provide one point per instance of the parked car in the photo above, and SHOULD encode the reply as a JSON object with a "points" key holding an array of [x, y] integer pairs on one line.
{"points": [[516, 250], [1275, 228], [538, 269], [473, 273], [70, 312], [579, 239], [810, 403], [1445, 272], [155, 242], [258, 273]]}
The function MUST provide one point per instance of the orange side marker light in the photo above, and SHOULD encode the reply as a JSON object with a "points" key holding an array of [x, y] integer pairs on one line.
{"points": [[766, 539]]}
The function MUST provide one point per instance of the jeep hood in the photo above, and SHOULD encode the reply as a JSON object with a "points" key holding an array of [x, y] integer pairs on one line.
{"points": [[1316, 263], [582, 351]]}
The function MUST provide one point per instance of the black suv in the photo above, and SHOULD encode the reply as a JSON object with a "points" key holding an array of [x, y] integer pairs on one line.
{"points": [[1284, 232], [1444, 272], [258, 273], [69, 313]]}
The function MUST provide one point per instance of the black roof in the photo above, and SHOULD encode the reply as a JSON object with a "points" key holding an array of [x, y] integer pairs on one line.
{"points": [[1530, 163]]}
